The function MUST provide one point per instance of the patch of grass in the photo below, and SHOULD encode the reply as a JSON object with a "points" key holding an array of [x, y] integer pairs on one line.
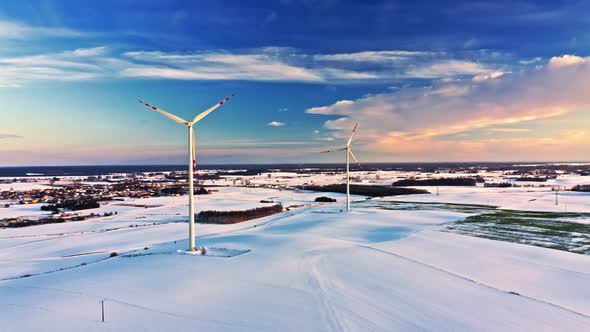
{"points": [[555, 230], [419, 206], [460, 181]]}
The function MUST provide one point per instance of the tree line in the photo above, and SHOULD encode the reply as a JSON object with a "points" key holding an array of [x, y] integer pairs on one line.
{"points": [[233, 217], [72, 205], [459, 181], [366, 190]]}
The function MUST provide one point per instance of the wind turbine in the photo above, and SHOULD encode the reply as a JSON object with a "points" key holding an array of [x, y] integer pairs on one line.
{"points": [[191, 160], [349, 154]]}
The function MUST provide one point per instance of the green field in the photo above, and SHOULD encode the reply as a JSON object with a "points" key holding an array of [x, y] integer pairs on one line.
{"points": [[555, 230], [562, 231]]}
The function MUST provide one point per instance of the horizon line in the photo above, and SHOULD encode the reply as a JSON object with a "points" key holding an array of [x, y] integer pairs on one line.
{"points": [[314, 163]]}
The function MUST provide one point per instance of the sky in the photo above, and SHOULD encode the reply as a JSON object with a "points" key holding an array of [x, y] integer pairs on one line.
{"points": [[426, 81]]}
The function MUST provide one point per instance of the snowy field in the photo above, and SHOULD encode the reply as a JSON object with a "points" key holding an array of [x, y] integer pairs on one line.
{"points": [[308, 269], [526, 199]]}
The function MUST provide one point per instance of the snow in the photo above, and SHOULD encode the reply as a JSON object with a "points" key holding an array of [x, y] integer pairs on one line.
{"points": [[23, 186], [308, 269], [535, 272], [526, 199], [21, 210]]}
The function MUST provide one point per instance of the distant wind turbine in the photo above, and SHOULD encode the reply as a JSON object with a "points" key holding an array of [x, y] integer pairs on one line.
{"points": [[191, 160], [349, 154]]}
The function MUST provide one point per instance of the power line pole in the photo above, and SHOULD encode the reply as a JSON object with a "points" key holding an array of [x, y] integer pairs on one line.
{"points": [[102, 306]]}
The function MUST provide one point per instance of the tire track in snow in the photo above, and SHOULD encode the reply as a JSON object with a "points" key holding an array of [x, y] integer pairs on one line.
{"points": [[315, 281]]}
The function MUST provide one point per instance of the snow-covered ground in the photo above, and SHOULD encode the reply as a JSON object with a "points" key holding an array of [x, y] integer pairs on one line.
{"points": [[22, 186], [308, 269], [527, 199]]}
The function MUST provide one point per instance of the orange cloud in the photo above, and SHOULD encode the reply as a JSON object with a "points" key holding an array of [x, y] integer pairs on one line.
{"points": [[413, 122]]}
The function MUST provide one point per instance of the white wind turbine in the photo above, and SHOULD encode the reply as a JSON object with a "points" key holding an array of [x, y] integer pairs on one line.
{"points": [[349, 154], [191, 160]]}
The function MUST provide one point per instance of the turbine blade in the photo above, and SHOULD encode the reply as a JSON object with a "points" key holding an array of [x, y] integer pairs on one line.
{"points": [[204, 114], [353, 157], [194, 153], [169, 115], [353, 131], [328, 151]]}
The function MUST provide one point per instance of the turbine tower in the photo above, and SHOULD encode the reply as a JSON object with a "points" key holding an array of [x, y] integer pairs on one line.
{"points": [[349, 154], [191, 160]]}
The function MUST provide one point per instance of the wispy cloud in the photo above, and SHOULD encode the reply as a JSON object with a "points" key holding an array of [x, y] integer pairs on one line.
{"points": [[510, 130], [448, 68], [75, 65], [253, 143], [373, 56], [19, 30], [217, 66], [274, 64], [276, 124], [4, 136], [530, 61]]}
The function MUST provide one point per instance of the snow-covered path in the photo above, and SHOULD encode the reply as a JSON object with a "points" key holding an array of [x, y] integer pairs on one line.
{"points": [[313, 269]]}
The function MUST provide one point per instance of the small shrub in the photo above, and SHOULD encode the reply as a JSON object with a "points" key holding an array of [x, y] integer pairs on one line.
{"points": [[114, 254], [325, 199]]}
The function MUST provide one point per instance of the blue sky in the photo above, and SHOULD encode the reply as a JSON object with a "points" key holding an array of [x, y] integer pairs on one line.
{"points": [[425, 80]]}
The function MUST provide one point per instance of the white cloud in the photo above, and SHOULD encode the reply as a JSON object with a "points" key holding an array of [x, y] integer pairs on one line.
{"points": [[10, 85], [18, 30], [272, 64], [372, 56], [3, 136], [530, 61], [340, 107], [566, 60], [416, 116], [94, 51], [217, 66], [276, 124], [510, 130], [327, 139], [343, 74], [287, 64], [489, 76], [447, 68], [75, 65]]}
